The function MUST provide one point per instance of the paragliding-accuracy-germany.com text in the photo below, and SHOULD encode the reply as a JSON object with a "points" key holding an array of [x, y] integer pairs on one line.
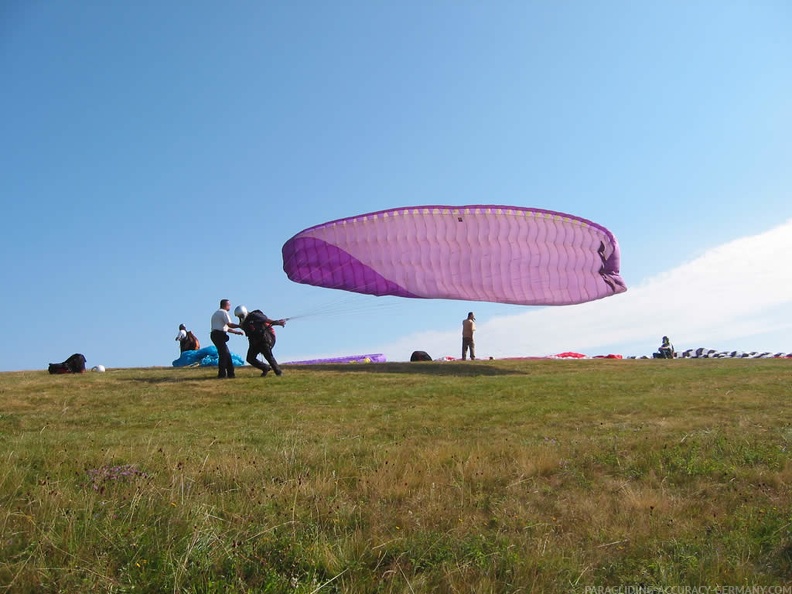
{"points": [[641, 589]]}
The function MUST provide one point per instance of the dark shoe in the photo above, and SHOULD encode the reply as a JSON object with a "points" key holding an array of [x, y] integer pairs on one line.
{"points": [[279, 373], [264, 373]]}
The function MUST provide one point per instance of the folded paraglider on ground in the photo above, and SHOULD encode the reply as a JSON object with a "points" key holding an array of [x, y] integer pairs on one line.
{"points": [[205, 357]]}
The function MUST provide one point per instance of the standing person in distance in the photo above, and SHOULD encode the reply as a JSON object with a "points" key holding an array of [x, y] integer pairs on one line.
{"points": [[221, 325], [187, 340], [468, 328], [261, 338], [181, 336]]}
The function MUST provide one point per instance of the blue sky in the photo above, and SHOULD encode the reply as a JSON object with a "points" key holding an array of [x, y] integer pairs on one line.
{"points": [[155, 156]]}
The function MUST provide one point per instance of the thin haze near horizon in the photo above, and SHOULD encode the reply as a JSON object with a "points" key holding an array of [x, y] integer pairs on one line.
{"points": [[155, 160]]}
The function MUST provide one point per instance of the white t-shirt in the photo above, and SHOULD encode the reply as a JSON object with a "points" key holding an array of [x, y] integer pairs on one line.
{"points": [[220, 320]]}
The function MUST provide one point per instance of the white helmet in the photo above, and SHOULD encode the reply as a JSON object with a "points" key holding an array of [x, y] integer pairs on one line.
{"points": [[240, 311]]}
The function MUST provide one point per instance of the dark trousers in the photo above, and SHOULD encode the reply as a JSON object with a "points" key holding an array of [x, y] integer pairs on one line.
{"points": [[225, 365], [467, 343], [257, 348]]}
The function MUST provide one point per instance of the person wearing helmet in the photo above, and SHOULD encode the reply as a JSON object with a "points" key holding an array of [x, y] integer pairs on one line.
{"points": [[182, 335], [221, 326], [187, 340], [468, 328], [666, 350], [261, 338]]}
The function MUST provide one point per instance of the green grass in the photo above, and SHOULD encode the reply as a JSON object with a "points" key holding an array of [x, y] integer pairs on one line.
{"points": [[494, 476]]}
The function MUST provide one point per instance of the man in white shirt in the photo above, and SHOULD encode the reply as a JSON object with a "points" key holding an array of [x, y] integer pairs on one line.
{"points": [[221, 325]]}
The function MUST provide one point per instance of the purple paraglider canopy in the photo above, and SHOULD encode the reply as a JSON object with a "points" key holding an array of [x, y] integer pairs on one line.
{"points": [[370, 358], [503, 254]]}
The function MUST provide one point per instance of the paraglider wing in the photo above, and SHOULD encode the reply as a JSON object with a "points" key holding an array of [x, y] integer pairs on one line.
{"points": [[503, 254]]}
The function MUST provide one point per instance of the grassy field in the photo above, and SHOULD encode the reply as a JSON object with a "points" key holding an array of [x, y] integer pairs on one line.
{"points": [[492, 476]]}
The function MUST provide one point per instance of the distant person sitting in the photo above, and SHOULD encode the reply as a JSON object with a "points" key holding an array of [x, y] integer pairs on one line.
{"points": [[666, 350]]}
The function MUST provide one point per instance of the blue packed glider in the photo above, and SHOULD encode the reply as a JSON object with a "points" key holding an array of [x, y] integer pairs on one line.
{"points": [[205, 357]]}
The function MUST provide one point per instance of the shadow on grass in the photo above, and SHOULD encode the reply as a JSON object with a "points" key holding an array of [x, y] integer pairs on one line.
{"points": [[174, 379], [457, 369], [424, 367]]}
